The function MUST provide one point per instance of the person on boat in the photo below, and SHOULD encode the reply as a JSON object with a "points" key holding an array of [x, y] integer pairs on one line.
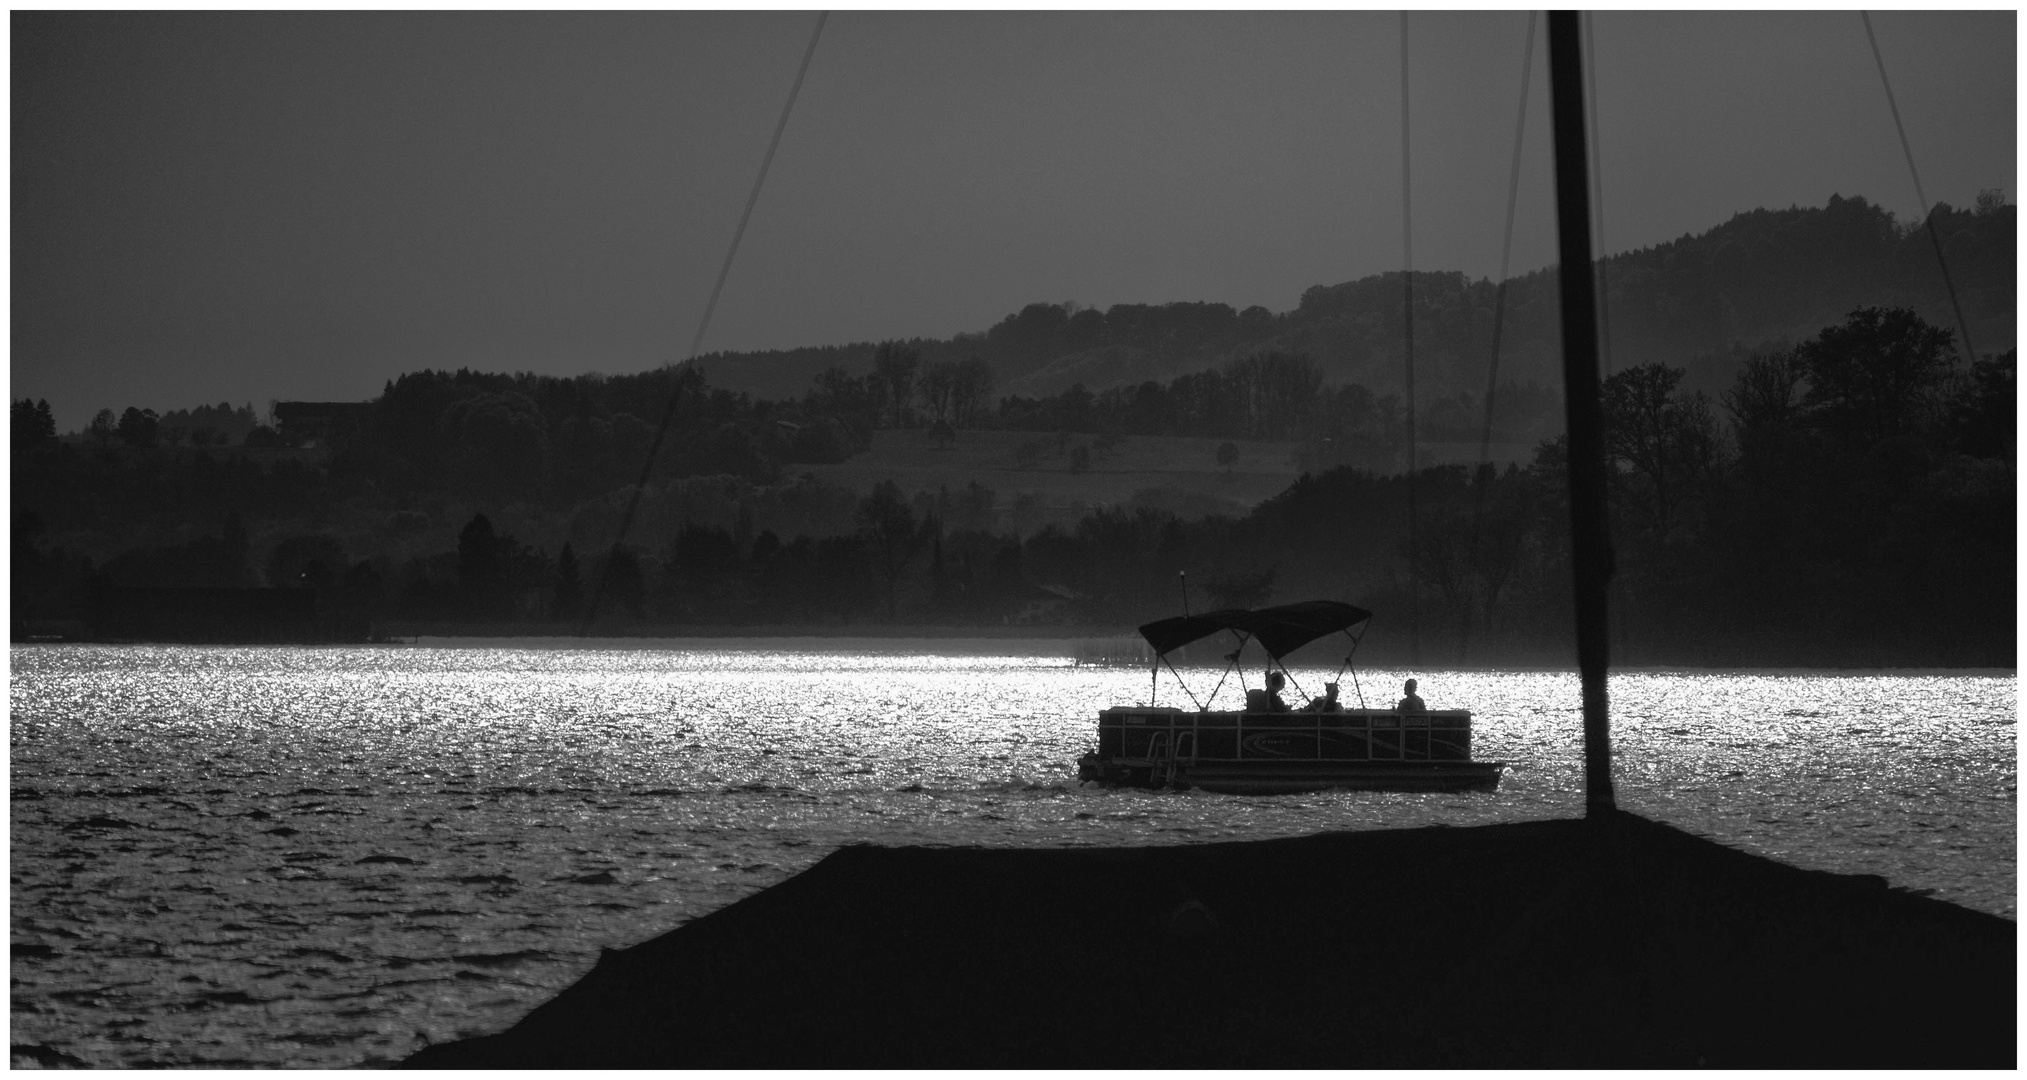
{"points": [[1326, 703], [1275, 681], [1412, 702]]}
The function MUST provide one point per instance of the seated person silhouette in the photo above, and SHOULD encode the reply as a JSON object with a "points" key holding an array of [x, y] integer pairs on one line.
{"points": [[1326, 703], [1275, 681], [1413, 702], [1268, 700]]}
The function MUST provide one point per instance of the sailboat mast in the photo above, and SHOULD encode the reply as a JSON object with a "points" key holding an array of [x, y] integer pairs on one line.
{"points": [[1590, 541]]}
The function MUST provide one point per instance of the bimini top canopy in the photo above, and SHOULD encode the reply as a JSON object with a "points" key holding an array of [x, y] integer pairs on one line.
{"points": [[1281, 630]]}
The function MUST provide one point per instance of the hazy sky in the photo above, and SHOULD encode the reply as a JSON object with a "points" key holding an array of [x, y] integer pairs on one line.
{"points": [[249, 206]]}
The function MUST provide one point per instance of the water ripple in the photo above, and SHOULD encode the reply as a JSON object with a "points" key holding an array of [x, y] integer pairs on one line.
{"points": [[326, 857]]}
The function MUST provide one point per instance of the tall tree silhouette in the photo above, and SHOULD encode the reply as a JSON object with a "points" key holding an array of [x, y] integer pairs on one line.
{"points": [[32, 426], [1659, 443], [891, 536], [481, 574], [896, 365], [1877, 376], [569, 586]]}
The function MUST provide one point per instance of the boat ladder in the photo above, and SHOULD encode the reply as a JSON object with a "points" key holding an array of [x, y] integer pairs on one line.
{"points": [[1165, 750]]}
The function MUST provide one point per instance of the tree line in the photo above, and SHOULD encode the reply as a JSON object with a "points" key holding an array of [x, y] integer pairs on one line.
{"points": [[1846, 500], [554, 441]]}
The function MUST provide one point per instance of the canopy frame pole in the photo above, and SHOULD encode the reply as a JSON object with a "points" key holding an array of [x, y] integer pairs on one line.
{"points": [[1231, 665], [1356, 639], [1290, 676], [1200, 707], [1345, 665]]}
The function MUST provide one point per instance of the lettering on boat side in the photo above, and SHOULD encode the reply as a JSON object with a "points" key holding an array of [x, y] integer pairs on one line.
{"points": [[1276, 744]]}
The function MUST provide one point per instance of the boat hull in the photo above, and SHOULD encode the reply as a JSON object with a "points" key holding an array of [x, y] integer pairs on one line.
{"points": [[1283, 779], [1244, 753]]}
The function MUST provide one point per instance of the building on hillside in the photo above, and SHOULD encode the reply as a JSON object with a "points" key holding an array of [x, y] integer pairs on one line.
{"points": [[1048, 604]]}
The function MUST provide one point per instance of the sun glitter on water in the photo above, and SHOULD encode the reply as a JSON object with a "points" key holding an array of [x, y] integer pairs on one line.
{"points": [[323, 856]]}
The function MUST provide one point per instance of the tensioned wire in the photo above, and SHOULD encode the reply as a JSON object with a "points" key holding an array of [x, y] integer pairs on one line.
{"points": [[1927, 216], [1506, 242], [1597, 195], [1499, 299], [1408, 321], [697, 340]]}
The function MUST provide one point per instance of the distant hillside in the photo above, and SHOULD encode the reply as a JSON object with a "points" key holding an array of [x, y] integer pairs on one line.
{"points": [[1764, 276]]}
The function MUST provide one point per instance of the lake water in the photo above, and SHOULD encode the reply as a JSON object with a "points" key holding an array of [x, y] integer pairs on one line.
{"points": [[327, 857]]}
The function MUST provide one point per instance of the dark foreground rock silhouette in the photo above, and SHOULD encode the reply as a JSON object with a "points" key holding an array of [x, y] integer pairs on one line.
{"points": [[1618, 942]]}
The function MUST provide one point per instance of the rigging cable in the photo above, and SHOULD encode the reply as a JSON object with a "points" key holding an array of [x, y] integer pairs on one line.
{"points": [[1928, 218], [1408, 319], [1597, 194], [1506, 244], [697, 340], [1499, 298], [1590, 63]]}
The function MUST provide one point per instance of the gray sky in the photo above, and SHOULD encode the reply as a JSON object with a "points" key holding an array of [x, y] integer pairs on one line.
{"points": [[247, 206]]}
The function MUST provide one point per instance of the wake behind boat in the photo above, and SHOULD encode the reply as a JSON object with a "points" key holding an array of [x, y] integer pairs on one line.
{"points": [[1267, 748]]}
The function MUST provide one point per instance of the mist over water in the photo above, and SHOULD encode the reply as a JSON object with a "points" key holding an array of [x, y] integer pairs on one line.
{"points": [[243, 856]]}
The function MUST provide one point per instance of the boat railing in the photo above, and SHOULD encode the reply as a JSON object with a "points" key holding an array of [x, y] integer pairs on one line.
{"points": [[1350, 735]]}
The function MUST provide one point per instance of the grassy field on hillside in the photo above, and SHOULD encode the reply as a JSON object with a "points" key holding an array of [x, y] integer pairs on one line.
{"points": [[1033, 474], [1181, 474]]}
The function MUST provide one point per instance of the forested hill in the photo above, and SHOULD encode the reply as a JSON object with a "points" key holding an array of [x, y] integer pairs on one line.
{"points": [[1767, 276]]}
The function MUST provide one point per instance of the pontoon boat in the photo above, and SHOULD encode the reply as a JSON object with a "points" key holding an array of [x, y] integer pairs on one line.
{"points": [[1261, 750]]}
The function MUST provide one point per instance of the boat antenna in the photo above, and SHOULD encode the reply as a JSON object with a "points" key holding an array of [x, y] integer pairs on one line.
{"points": [[1590, 538], [1183, 577], [676, 394]]}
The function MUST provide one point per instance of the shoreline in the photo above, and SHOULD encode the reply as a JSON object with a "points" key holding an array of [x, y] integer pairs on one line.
{"points": [[993, 641], [820, 643]]}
